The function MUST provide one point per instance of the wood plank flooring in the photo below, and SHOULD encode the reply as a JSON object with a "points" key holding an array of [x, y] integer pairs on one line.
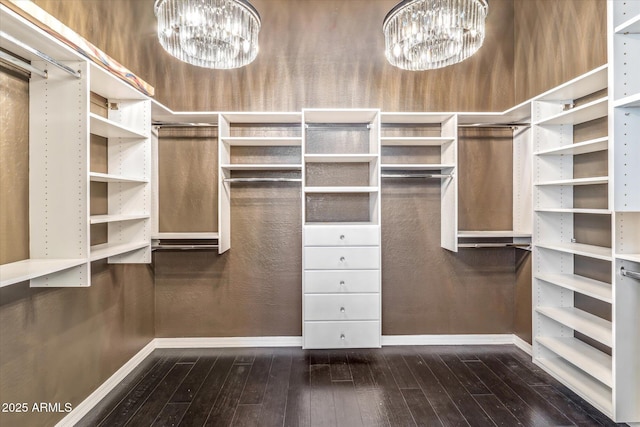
{"points": [[392, 386]]}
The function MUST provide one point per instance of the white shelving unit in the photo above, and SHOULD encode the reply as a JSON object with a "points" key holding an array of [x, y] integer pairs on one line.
{"points": [[261, 131], [404, 137], [341, 257], [624, 164]]}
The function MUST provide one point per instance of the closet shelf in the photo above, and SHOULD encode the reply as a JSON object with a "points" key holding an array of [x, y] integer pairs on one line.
{"points": [[28, 269], [632, 101], [362, 189], [338, 223], [577, 181], [416, 166], [414, 118], [109, 129], [101, 219], [589, 287], [577, 115], [589, 359], [415, 141], [111, 87], [105, 177], [631, 26], [263, 141], [587, 387], [187, 236], [262, 167], [576, 211], [264, 117], [340, 158], [581, 321], [470, 234], [591, 146], [629, 257], [590, 82], [107, 250], [591, 251]]}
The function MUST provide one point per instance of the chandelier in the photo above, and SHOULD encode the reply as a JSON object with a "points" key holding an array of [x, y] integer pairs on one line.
{"points": [[429, 34], [219, 34]]}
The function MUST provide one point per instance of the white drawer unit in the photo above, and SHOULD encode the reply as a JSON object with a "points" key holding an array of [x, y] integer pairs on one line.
{"points": [[342, 334], [342, 307], [341, 281], [342, 235], [342, 258]]}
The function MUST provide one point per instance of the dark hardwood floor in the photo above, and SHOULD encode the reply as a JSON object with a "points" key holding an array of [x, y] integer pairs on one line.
{"points": [[392, 386]]}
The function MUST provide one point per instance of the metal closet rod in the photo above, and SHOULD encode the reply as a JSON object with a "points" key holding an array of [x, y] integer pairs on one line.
{"points": [[40, 55], [22, 64], [415, 175], [232, 180], [629, 273]]}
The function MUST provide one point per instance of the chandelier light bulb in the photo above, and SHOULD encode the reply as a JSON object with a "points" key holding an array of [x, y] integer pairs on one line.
{"points": [[430, 34]]}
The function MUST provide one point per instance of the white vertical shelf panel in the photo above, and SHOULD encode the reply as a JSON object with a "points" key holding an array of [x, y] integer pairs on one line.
{"points": [[626, 158], [224, 188], [449, 187], [522, 180], [58, 172]]}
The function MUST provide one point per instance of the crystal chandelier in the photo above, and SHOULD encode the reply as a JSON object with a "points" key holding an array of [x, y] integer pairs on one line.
{"points": [[429, 34], [219, 34]]}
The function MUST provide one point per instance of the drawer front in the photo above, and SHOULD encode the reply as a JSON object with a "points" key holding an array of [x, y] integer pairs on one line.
{"points": [[342, 334], [342, 258], [330, 235], [341, 282], [342, 307]]}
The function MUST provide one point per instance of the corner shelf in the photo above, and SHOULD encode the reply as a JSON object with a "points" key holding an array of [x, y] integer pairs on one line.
{"points": [[591, 251], [107, 250], [592, 326], [577, 115], [28, 269], [589, 287], [109, 129]]}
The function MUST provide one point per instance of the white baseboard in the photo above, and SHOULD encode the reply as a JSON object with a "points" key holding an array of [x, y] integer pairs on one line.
{"points": [[101, 392], [522, 345], [473, 339], [228, 342]]}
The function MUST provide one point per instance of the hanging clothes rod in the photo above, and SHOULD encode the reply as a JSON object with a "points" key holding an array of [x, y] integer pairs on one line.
{"points": [[41, 55], [232, 180], [23, 65], [494, 245], [180, 247], [422, 175], [629, 273]]}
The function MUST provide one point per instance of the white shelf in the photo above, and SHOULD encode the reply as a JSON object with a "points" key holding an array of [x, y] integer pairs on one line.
{"points": [[28, 269], [263, 117], [341, 189], [105, 177], [340, 116], [631, 26], [578, 181], [592, 288], [591, 146], [590, 360], [470, 234], [101, 219], [110, 129], [415, 141], [629, 257], [105, 84], [632, 101], [187, 236], [261, 167], [340, 158], [577, 115], [415, 166], [597, 252], [576, 211], [107, 250], [263, 141], [590, 82], [584, 385], [415, 118], [592, 326]]}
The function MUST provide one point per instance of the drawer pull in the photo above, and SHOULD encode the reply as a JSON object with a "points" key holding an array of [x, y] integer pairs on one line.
{"points": [[341, 309], [342, 259], [342, 237], [342, 337]]}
